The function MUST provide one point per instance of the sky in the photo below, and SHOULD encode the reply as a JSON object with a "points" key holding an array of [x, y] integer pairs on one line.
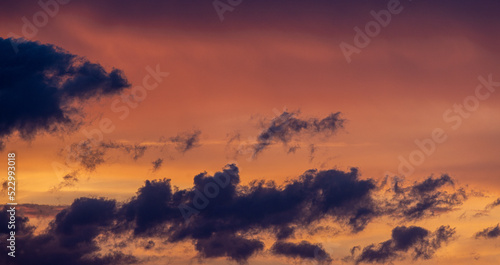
{"points": [[252, 132]]}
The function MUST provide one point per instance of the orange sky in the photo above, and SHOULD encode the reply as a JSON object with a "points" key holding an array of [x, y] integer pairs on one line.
{"points": [[226, 77]]}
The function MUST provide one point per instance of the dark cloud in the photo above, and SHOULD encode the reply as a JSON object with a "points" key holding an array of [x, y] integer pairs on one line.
{"points": [[424, 199], [21, 223], [69, 180], [235, 210], [186, 141], [228, 245], [83, 220], [302, 250], [431, 184], [421, 243], [490, 232], [354, 249], [157, 164], [153, 206], [70, 238], [41, 84], [286, 126]]}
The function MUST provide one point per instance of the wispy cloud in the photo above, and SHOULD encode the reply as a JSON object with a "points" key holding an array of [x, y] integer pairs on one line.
{"points": [[90, 154]]}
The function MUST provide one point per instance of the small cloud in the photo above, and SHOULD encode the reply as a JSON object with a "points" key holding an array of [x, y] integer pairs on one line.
{"points": [[69, 180], [157, 164], [186, 141], [302, 250], [490, 232], [493, 204], [312, 150]]}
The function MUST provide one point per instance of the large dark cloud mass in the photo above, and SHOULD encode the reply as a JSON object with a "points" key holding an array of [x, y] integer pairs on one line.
{"points": [[420, 242], [218, 209], [41, 83], [221, 217]]}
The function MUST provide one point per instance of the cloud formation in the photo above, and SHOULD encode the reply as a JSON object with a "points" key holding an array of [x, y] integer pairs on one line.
{"points": [[425, 199], [41, 85], [421, 243], [487, 209], [69, 180], [302, 250], [228, 245], [219, 209], [69, 239], [89, 154], [157, 164], [493, 204], [185, 141], [287, 125], [490, 232], [221, 217]]}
